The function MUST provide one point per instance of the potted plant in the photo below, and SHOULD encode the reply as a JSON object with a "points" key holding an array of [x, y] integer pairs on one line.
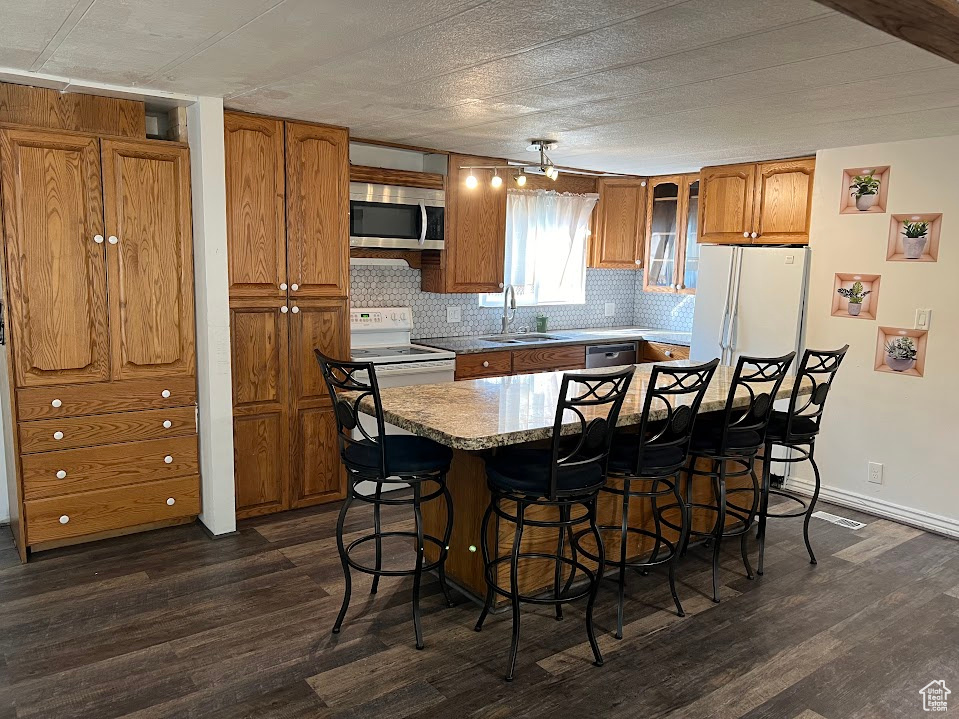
{"points": [[865, 188], [901, 354], [855, 295], [914, 239]]}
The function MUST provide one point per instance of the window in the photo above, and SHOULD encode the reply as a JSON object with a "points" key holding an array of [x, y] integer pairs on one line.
{"points": [[545, 248]]}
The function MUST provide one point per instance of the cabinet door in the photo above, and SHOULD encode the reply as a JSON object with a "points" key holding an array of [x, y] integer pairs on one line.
{"points": [[475, 228], [317, 210], [317, 475], [255, 205], [784, 201], [688, 250], [146, 193], [617, 240], [664, 225], [726, 203], [261, 418], [56, 271]]}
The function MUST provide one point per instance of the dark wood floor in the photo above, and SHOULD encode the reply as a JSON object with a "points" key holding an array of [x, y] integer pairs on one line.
{"points": [[173, 624]]}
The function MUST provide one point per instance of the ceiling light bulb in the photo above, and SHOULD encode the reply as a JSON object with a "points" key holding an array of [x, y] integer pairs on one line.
{"points": [[497, 181], [549, 172], [555, 173], [521, 180], [471, 181]]}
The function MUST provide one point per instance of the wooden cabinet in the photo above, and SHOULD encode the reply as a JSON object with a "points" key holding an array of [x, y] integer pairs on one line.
{"points": [[756, 203], [98, 246], [663, 352], [520, 361], [474, 254], [672, 249], [288, 243], [484, 364], [618, 224]]}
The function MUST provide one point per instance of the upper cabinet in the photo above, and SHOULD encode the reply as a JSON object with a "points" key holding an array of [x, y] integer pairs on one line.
{"points": [[473, 257], [766, 202], [618, 224], [672, 251], [255, 205]]}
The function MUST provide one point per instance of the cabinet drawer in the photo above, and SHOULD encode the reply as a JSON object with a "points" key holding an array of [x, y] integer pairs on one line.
{"points": [[100, 398], [483, 364], [662, 352], [42, 435], [546, 359], [112, 465], [74, 515]]}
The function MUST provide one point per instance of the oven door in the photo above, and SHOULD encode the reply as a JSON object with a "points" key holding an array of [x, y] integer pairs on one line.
{"points": [[396, 217]]}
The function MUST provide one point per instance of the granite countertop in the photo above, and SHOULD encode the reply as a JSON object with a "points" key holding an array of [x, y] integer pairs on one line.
{"points": [[467, 345], [480, 414]]}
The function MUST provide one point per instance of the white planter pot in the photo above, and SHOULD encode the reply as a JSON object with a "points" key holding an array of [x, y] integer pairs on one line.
{"points": [[912, 247], [864, 202], [854, 308], [899, 365]]}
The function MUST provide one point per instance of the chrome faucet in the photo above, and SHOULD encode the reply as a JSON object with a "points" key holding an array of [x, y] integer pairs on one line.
{"points": [[509, 303]]}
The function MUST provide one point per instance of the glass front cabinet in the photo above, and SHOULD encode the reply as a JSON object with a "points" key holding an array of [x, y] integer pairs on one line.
{"points": [[672, 252]]}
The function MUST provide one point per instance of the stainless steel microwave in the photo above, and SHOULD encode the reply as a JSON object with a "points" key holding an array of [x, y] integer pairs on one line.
{"points": [[388, 216]]}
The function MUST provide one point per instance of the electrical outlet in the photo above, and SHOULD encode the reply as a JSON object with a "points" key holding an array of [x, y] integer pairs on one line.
{"points": [[610, 309], [875, 473], [923, 319], [454, 314]]}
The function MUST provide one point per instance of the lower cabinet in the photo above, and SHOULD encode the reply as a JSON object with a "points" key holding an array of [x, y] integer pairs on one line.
{"points": [[663, 352], [525, 361]]}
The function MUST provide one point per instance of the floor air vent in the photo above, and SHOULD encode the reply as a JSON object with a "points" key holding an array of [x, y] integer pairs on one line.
{"points": [[841, 521]]}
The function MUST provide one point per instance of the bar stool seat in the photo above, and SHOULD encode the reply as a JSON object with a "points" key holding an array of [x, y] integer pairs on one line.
{"points": [[708, 437], [405, 454], [527, 470], [655, 460], [801, 426]]}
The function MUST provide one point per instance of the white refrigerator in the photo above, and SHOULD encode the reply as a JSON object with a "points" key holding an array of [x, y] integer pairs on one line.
{"points": [[749, 301]]}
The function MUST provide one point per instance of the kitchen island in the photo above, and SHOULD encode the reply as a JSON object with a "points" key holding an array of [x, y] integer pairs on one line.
{"points": [[476, 417]]}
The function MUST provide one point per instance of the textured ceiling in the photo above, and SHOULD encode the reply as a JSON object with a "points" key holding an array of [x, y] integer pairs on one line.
{"points": [[646, 86]]}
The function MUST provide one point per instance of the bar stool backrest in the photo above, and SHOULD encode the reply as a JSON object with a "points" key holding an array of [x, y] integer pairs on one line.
{"points": [[759, 378], [595, 402], [818, 369], [348, 384], [678, 391]]}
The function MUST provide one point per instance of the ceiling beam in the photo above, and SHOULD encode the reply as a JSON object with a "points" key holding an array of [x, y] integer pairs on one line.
{"points": [[932, 25]]}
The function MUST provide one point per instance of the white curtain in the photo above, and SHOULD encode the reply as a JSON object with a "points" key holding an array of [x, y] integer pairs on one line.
{"points": [[546, 245]]}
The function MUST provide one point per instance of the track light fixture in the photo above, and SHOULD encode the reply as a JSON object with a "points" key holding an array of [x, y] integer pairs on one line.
{"points": [[496, 182], [545, 166], [471, 181], [521, 179]]}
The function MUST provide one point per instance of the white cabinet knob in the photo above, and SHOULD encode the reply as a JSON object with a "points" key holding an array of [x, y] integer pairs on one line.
{"points": [[745, 234], [486, 363], [56, 403], [61, 474], [168, 459], [165, 393], [294, 287], [501, 285], [284, 309], [754, 235], [98, 239], [167, 424], [113, 239], [64, 519], [294, 309], [58, 434], [170, 501], [668, 353], [283, 286], [639, 262]]}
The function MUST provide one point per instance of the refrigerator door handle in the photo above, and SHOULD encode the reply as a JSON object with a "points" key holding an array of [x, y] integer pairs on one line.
{"points": [[735, 279], [724, 328]]}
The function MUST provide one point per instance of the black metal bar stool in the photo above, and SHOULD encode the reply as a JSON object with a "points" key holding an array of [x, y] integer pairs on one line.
{"points": [[735, 438], [567, 474], [796, 429], [384, 459], [654, 458]]}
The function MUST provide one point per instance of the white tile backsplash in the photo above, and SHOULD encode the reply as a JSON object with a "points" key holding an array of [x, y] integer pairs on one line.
{"points": [[372, 286]]}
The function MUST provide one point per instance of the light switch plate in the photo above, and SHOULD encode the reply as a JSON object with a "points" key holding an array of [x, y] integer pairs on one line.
{"points": [[610, 309], [454, 314], [923, 319]]}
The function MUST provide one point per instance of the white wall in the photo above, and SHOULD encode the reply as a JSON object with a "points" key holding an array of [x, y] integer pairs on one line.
{"points": [[909, 424]]}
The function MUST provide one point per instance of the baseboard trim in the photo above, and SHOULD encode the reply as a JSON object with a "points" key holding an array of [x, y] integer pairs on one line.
{"points": [[935, 523]]}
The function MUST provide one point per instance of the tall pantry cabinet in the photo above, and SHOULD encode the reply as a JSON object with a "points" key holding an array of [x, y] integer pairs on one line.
{"points": [[98, 275], [287, 190]]}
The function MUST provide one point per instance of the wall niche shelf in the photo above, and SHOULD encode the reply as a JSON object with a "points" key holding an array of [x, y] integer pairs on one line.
{"points": [[847, 203], [870, 303], [895, 252], [888, 334]]}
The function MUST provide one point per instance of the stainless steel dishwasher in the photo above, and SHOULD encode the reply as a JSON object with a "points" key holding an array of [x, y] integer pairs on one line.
{"points": [[610, 355]]}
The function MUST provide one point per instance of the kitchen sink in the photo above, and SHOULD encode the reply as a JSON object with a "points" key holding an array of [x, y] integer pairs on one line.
{"points": [[518, 339]]}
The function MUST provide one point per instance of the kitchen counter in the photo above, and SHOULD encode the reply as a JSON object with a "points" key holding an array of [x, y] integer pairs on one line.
{"points": [[468, 345]]}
